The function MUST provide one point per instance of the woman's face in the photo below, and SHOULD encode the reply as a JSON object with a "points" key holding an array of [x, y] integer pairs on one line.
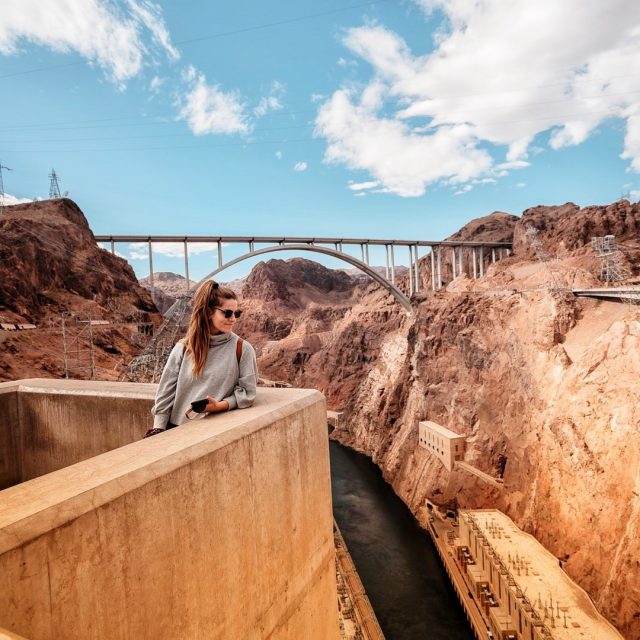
{"points": [[219, 322]]}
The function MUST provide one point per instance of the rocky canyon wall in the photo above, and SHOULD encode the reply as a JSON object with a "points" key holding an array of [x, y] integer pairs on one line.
{"points": [[543, 385]]}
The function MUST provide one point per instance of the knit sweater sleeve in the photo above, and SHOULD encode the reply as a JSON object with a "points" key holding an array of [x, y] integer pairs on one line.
{"points": [[244, 393], [166, 391]]}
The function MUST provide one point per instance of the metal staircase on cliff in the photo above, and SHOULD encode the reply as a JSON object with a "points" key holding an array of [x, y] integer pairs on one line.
{"points": [[148, 366]]}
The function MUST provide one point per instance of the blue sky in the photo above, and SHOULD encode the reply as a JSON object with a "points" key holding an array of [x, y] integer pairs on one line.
{"points": [[397, 119]]}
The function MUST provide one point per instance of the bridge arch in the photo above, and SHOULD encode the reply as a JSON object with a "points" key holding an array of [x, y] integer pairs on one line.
{"points": [[395, 292]]}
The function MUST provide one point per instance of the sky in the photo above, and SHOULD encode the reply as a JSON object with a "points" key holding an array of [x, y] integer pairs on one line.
{"points": [[398, 119]]}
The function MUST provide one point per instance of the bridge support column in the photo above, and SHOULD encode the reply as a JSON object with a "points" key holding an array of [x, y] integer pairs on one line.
{"points": [[493, 254], [362, 251], [410, 271], [186, 265], [454, 270], [113, 247], [416, 269], [461, 260], [474, 260], [433, 269], [439, 267], [150, 268], [393, 267], [219, 254], [386, 251], [481, 261]]}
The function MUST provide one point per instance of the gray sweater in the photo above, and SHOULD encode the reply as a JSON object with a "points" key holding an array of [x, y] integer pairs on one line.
{"points": [[221, 378]]}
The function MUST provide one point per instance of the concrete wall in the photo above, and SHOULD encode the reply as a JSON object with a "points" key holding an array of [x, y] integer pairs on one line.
{"points": [[221, 528], [62, 422]]}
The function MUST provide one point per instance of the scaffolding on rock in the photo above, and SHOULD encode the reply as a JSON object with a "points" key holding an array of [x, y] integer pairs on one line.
{"points": [[612, 259]]}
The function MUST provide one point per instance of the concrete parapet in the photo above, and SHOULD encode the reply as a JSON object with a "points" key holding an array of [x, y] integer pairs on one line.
{"points": [[55, 423], [221, 528]]}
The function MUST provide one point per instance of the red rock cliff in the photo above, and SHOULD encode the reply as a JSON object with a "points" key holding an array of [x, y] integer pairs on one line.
{"points": [[543, 385]]}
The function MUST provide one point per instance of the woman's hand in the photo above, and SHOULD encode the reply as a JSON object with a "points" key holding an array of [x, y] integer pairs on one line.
{"points": [[215, 406]]}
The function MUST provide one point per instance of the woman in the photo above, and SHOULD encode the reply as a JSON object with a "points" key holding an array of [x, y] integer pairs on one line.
{"points": [[211, 362]]}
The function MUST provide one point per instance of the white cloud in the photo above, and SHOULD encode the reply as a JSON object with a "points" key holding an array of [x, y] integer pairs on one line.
{"points": [[8, 200], [486, 85], [266, 104], [156, 84], [278, 154], [521, 185], [316, 97], [115, 36], [402, 161], [634, 195], [359, 186], [272, 101], [209, 109], [300, 166], [140, 250]]}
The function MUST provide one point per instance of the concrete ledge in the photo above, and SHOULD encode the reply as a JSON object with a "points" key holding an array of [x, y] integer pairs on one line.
{"points": [[221, 528]]}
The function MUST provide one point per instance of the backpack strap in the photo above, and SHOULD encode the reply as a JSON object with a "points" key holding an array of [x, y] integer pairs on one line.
{"points": [[239, 350]]}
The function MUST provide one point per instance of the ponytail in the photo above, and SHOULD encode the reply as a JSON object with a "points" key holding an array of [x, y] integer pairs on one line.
{"points": [[205, 300]]}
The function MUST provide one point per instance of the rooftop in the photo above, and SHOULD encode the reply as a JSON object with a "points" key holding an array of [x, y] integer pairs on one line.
{"points": [[563, 606], [447, 433]]}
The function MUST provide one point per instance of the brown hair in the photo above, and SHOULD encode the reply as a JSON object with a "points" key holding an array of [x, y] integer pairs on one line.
{"points": [[208, 296]]}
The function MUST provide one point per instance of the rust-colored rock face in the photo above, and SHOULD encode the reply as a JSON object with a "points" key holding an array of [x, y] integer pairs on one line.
{"points": [[50, 265], [543, 385]]}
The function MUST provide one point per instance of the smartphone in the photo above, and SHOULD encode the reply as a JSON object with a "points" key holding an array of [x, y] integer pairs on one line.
{"points": [[198, 406]]}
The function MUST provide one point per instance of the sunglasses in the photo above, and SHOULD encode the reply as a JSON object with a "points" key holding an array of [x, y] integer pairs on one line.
{"points": [[228, 312]]}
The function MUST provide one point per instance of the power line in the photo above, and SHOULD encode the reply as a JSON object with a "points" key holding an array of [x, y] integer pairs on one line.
{"points": [[280, 22], [163, 120], [164, 148], [215, 35], [153, 136]]}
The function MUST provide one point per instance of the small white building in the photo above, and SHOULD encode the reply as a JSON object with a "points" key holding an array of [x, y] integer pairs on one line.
{"points": [[447, 445]]}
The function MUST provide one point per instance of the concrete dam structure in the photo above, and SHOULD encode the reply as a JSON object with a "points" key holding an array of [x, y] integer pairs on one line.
{"points": [[219, 529]]}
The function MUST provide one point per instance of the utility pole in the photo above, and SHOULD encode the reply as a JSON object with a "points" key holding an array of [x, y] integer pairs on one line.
{"points": [[2, 188], [54, 187]]}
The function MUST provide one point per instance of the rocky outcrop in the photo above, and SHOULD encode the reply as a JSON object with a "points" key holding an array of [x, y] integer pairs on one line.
{"points": [[50, 266], [542, 384]]}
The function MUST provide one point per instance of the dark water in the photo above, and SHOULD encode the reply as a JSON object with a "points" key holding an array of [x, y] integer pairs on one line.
{"points": [[396, 560]]}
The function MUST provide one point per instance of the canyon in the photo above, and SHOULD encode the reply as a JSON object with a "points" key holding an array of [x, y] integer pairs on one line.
{"points": [[542, 384]]}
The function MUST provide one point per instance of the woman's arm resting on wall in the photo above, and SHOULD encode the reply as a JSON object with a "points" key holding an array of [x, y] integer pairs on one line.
{"points": [[166, 392]]}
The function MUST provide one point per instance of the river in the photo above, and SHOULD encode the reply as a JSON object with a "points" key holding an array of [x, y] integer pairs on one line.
{"points": [[396, 559]]}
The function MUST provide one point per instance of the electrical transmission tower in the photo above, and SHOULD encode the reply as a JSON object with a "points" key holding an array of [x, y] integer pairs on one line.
{"points": [[148, 366], [77, 338], [613, 269], [54, 187], [2, 168], [543, 256]]}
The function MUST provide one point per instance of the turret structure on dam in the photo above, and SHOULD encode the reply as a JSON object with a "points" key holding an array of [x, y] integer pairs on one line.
{"points": [[443, 443]]}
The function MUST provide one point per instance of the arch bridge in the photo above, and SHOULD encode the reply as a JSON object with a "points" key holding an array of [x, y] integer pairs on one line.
{"points": [[465, 256]]}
